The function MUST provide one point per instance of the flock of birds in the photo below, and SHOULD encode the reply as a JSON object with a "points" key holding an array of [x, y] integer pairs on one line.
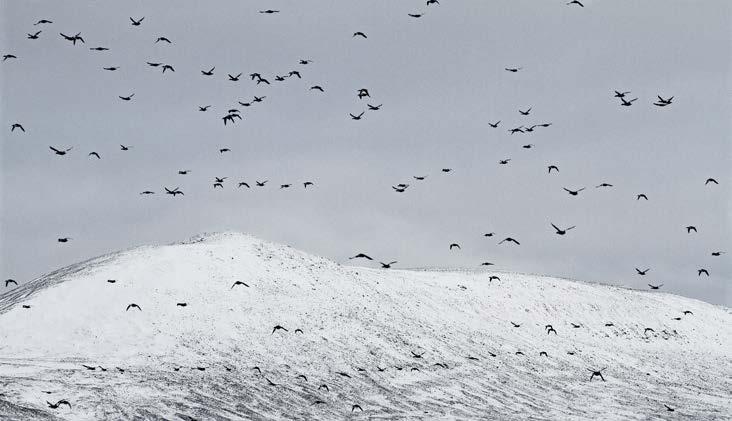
{"points": [[233, 114]]}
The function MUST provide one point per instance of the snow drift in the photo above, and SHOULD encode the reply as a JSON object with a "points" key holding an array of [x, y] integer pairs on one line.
{"points": [[399, 344]]}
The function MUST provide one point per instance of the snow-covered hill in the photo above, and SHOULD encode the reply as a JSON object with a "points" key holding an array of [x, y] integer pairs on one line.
{"points": [[362, 332]]}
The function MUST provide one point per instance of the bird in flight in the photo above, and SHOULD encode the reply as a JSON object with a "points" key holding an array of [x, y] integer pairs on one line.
{"points": [[133, 305], [513, 69], [234, 78], [34, 36], [17, 126], [573, 192], [374, 107], [454, 245], [99, 49], [163, 39], [717, 253], [8, 56], [525, 112], [137, 22], [663, 102], [269, 11], [655, 286], [621, 94], [359, 34], [222, 150], [387, 265], [60, 152], [111, 69], [553, 167], [360, 255], [415, 15], [704, 271], [642, 272], [209, 72], [239, 283], [74, 38], [690, 228], [561, 231], [356, 117], [576, 2], [42, 21], [504, 161], [126, 98], [603, 185], [173, 192], [124, 148], [278, 327], [168, 67], [317, 88], [626, 103], [709, 180], [509, 240], [59, 403], [204, 108], [10, 281], [597, 373], [495, 125], [307, 183], [641, 196], [94, 154]]}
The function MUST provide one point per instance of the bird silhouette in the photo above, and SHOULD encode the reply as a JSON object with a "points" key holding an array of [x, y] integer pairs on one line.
{"points": [[626, 103], [573, 192], [355, 407], [690, 228], [64, 239], [495, 125], [561, 231], [515, 324], [10, 281], [209, 72], [60, 152], [576, 2], [710, 180], [154, 64], [704, 271], [99, 49], [239, 283], [168, 67], [317, 88], [493, 278], [204, 108], [655, 286], [34, 36], [621, 94], [174, 192], [641, 196], [374, 107], [513, 69], [162, 39], [222, 150], [603, 185], [42, 21], [509, 240], [576, 326], [278, 327], [356, 117], [668, 408], [269, 11], [387, 265], [454, 245], [359, 34], [59, 403], [146, 192], [126, 98], [504, 161], [234, 78], [9, 56], [717, 253], [527, 112], [73, 39], [111, 69], [137, 22], [94, 154], [663, 102], [596, 373], [124, 148], [642, 272], [415, 15], [553, 167], [17, 126], [360, 255], [133, 305], [243, 184]]}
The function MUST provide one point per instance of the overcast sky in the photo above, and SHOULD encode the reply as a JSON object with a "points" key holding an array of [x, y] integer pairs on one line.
{"points": [[441, 80]]}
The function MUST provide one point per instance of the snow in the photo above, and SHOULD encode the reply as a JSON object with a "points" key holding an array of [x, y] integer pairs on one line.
{"points": [[351, 317]]}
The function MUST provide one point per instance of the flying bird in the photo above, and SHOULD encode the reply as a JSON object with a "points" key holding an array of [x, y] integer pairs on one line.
{"points": [[126, 98], [317, 88], [209, 72], [655, 286], [359, 34], [387, 265], [360, 255], [278, 327], [573, 192], [64, 239], [642, 272], [509, 240], [641, 196], [59, 403], [453, 245], [495, 125], [204, 108], [415, 15], [626, 103], [42, 21], [17, 126], [576, 2], [234, 78], [690, 228], [174, 192], [239, 283], [60, 152], [513, 69], [269, 11], [561, 231], [527, 112], [111, 69], [163, 39], [10, 281], [710, 180], [553, 167], [133, 305], [356, 117], [137, 22], [94, 154], [34, 36], [704, 271], [99, 49]]}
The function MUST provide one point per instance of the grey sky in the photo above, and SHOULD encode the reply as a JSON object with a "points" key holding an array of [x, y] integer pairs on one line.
{"points": [[441, 81]]}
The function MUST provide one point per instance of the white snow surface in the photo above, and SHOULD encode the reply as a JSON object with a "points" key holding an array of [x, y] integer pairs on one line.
{"points": [[354, 320]]}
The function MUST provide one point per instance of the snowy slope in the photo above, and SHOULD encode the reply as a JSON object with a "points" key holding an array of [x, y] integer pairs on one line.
{"points": [[352, 319]]}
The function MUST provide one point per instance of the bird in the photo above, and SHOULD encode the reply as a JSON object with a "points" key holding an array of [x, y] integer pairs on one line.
{"points": [[495, 125], [298, 331], [57, 404], [302, 376], [124, 148], [17, 126], [278, 327], [60, 152], [493, 277], [621, 94], [94, 154], [317, 88], [34, 36], [360, 255], [550, 330], [261, 80], [126, 98], [340, 373], [294, 73], [42, 21], [446, 169], [717, 253], [429, 2], [355, 407], [242, 183], [147, 192], [663, 102], [454, 245], [111, 69], [596, 373], [374, 107], [356, 117], [641, 196], [387, 265], [304, 62], [710, 180], [259, 98], [419, 177], [307, 183], [208, 72], [576, 2], [603, 185], [509, 240], [543, 354], [153, 64], [487, 264], [415, 15], [174, 192], [234, 78], [204, 108], [10, 281], [513, 69], [515, 324], [528, 146], [269, 11], [626, 103], [573, 192], [655, 286], [516, 130], [687, 312], [645, 331], [561, 231], [359, 34], [504, 161], [133, 305], [222, 150], [285, 186], [218, 185], [99, 49], [668, 408], [642, 272], [576, 326], [553, 167], [64, 239], [163, 39], [704, 271], [525, 112], [168, 67], [690, 228], [239, 283], [111, 281], [137, 22], [261, 183], [415, 355], [74, 38], [362, 93]]}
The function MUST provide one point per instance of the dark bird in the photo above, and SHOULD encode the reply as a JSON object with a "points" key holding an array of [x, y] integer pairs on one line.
{"points": [[609, 324], [209, 72], [147, 192], [513, 69], [470, 357], [285, 186], [525, 112], [137, 22], [646, 330], [663, 102], [278, 327], [234, 78], [168, 67], [510, 240], [504, 161], [429, 2], [704, 271], [222, 150], [261, 183], [305, 62], [490, 234], [298, 331], [42, 21], [133, 305], [94, 154], [374, 107], [668, 408], [356, 117], [576, 2], [493, 278], [626, 103], [515, 324], [10, 281], [360, 255], [59, 403], [355, 407], [495, 125], [655, 286], [316, 88], [362, 93], [73, 39], [603, 185], [262, 80], [294, 73], [561, 231], [359, 34], [687, 312], [99, 49], [34, 36], [516, 130], [576, 326], [553, 167], [387, 265], [596, 373], [621, 94], [487, 264], [302, 376], [153, 64], [111, 281], [340, 373], [126, 98], [269, 11], [641, 196], [259, 98], [17, 126], [111, 69], [717, 253], [218, 185], [573, 192], [446, 169], [64, 239], [543, 354], [124, 148], [528, 146], [173, 192], [454, 245], [415, 355], [415, 15], [239, 283], [183, 172], [60, 151], [204, 108], [642, 272], [243, 184], [307, 183], [690, 228], [163, 39]]}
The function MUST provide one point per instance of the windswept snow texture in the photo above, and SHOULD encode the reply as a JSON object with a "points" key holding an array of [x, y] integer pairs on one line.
{"points": [[354, 321]]}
